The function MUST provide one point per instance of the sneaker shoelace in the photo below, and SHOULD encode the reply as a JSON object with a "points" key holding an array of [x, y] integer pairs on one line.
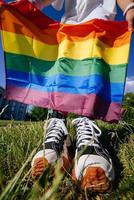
{"points": [[87, 132], [56, 131]]}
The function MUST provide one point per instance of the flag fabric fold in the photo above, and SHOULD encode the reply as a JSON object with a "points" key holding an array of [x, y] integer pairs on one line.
{"points": [[72, 68]]}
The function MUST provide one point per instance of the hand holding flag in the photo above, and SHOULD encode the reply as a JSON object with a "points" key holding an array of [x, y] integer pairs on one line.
{"points": [[130, 19]]}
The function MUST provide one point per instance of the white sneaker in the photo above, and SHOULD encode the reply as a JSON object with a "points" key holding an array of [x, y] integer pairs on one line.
{"points": [[93, 166], [56, 143]]}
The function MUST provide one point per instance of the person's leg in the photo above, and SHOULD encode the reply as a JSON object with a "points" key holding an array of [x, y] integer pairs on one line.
{"points": [[93, 166], [55, 144]]}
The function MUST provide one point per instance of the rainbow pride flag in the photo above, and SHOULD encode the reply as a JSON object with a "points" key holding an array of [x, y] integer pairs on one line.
{"points": [[72, 68]]}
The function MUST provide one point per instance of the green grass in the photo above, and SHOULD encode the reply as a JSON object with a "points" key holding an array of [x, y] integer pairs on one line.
{"points": [[19, 142]]}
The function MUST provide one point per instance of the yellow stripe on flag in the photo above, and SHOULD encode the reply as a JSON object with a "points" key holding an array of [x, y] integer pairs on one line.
{"points": [[91, 48]]}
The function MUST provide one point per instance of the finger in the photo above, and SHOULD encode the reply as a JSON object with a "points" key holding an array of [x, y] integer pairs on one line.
{"points": [[130, 24]]}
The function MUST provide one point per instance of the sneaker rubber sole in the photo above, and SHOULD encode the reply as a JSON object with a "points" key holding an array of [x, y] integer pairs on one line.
{"points": [[41, 163], [94, 179], [38, 167]]}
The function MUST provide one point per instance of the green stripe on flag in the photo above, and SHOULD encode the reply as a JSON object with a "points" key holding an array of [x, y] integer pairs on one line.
{"points": [[66, 66]]}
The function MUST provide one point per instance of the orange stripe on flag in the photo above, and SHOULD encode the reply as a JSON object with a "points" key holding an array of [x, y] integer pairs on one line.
{"points": [[56, 33]]}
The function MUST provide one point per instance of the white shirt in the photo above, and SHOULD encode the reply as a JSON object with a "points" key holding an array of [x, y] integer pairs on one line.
{"points": [[78, 11]]}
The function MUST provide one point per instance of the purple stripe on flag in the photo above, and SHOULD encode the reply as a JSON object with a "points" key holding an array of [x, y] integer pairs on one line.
{"points": [[89, 105]]}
